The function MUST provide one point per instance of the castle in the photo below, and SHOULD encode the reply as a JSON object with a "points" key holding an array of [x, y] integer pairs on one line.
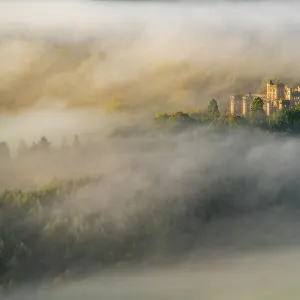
{"points": [[277, 97]]}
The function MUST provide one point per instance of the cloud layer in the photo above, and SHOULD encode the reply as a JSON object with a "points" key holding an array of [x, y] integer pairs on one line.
{"points": [[87, 67]]}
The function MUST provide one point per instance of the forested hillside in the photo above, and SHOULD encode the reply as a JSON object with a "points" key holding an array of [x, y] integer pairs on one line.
{"points": [[123, 174], [62, 213]]}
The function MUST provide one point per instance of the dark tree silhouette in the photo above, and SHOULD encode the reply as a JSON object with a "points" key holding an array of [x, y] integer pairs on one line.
{"points": [[76, 143], [213, 109], [4, 151]]}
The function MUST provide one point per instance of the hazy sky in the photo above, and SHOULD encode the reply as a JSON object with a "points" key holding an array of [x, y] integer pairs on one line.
{"points": [[159, 57], [81, 15]]}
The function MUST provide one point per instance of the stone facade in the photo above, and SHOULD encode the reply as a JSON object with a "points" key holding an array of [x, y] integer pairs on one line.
{"points": [[278, 96], [236, 104]]}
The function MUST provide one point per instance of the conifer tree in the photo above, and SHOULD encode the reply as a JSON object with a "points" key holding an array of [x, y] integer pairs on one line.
{"points": [[257, 115], [257, 105], [4, 151], [213, 109], [22, 149], [76, 143], [44, 144]]}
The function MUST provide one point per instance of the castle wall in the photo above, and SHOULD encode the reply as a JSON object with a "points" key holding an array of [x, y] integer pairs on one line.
{"points": [[288, 93], [275, 91], [278, 96]]}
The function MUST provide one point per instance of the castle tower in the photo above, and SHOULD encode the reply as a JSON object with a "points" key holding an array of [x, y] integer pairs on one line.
{"points": [[246, 105], [236, 104], [275, 91], [270, 90], [288, 93], [280, 91], [269, 107]]}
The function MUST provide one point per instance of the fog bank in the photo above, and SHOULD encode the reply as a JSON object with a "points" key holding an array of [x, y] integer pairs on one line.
{"points": [[218, 213], [146, 57]]}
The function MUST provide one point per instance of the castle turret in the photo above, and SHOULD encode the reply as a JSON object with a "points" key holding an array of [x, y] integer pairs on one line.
{"points": [[278, 96], [236, 104], [288, 93], [268, 107], [275, 91], [247, 100]]}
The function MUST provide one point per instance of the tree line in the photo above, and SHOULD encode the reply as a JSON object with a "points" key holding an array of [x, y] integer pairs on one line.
{"points": [[44, 237], [285, 120], [43, 145]]}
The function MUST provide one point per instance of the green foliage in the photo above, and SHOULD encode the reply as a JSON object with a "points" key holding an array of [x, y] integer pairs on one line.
{"points": [[176, 121], [286, 120], [29, 223], [51, 230], [282, 120], [180, 117], [162, 117], [278, 121], [234, 121], [293, 118], [44, 235], [197, 115], [213, 109], [43, 229], [257, 105], [258, 116]]}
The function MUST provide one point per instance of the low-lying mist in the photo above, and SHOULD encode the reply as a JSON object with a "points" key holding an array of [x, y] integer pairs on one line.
{"points": [[195, 198], [165, 215], [261, 276]]}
